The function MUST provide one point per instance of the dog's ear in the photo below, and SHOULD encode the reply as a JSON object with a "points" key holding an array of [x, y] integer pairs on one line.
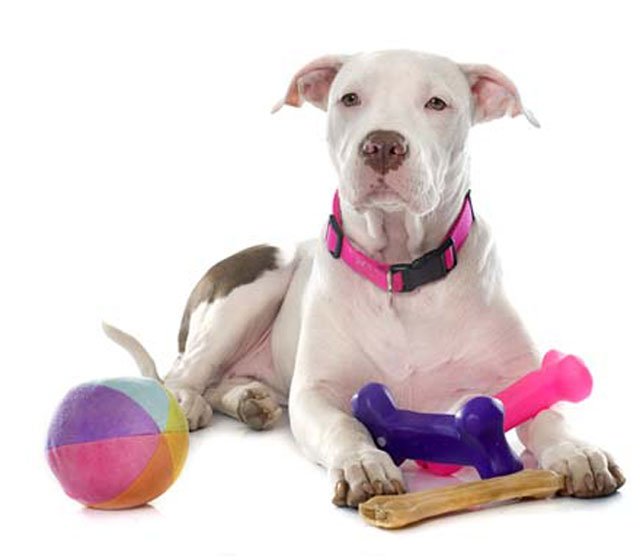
{"points": [[312, 83], [494, 94]]}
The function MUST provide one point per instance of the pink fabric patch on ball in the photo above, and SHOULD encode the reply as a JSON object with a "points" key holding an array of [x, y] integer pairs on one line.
{"points": [[97, 471]]}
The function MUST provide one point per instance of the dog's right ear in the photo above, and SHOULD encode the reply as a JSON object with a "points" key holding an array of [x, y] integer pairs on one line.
{"points": [[312, 83]]}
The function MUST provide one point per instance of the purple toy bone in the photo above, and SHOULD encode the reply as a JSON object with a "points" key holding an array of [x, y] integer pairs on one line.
{"points": [[473, 436]]}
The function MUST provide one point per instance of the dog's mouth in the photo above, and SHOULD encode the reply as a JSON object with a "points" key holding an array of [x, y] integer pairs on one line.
{"points": [[382, 193]]}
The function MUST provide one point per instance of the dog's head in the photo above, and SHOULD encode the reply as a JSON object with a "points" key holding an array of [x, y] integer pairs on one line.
{"points": [[398, 121]]}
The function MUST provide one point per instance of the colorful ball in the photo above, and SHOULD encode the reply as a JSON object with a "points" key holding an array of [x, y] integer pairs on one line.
{"points": [[117, 443]]}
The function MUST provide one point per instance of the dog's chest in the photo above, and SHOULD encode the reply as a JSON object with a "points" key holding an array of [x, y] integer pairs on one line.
{"points": [[431, 348], [423, 353]]}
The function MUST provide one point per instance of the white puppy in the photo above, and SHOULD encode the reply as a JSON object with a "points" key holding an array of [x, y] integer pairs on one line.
{"points": [[260, 332]]}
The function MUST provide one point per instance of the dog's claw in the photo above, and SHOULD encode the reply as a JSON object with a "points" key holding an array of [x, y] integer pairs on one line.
{"points": [[398, 487], [617, 474], [340, 496]]}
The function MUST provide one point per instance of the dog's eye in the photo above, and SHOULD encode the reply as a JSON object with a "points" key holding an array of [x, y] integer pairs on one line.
{"points": [[350, 99], [436, 104]]}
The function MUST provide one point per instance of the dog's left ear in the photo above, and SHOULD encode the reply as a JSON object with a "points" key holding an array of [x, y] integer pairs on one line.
{"points": [[494, 94], [312, 83]]}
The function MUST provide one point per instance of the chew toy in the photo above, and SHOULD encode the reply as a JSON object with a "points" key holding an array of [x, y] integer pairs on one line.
{"points": [[560, 378], [473, 436], [117, 443], [394, 512]]}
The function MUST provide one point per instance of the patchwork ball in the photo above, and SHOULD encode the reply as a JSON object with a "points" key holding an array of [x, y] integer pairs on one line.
{"points": [[117, 443]]}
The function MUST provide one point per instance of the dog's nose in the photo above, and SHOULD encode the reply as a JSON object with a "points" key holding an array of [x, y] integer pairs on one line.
{"points": [[384, 150]]}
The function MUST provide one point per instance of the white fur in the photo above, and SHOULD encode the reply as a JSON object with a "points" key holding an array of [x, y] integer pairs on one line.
{"points": [[143, 360], [329, 331]]}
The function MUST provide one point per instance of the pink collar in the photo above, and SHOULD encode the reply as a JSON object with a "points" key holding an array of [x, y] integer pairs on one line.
{"points": [[403, 277]]}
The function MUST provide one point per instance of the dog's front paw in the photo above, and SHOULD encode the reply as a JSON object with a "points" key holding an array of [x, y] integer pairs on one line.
{"points": [[360, 475], [195, 407], [589, 471]]}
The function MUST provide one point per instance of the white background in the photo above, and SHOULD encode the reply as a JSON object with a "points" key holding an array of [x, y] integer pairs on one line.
{"points": [[137, 148]]}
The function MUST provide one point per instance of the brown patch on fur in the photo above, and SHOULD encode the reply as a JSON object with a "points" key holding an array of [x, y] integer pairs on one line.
{"points": [[222, 278]]}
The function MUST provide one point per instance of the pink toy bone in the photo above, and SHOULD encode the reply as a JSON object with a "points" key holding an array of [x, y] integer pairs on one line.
{"points": [[561, 378]]}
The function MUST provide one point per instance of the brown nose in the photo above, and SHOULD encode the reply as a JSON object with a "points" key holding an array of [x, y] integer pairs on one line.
{"points": [[384, 150]]}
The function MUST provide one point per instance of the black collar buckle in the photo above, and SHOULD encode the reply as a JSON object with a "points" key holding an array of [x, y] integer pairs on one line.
{"points": [[429, 267], [337, 230]]}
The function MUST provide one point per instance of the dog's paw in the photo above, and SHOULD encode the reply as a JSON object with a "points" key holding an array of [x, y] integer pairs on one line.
{"points": [[257, 409], [589, 471], [361, 475], [195, 407]]}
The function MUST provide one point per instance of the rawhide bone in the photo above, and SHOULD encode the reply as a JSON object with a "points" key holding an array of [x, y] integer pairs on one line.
{"points": [[394, 512], [473, 436]]}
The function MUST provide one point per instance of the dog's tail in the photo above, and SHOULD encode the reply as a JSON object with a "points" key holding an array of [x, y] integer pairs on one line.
{"points": [[144, 361]]}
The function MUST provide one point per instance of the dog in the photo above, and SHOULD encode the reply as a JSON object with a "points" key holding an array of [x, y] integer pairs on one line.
{"points": [[262, 330]]}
